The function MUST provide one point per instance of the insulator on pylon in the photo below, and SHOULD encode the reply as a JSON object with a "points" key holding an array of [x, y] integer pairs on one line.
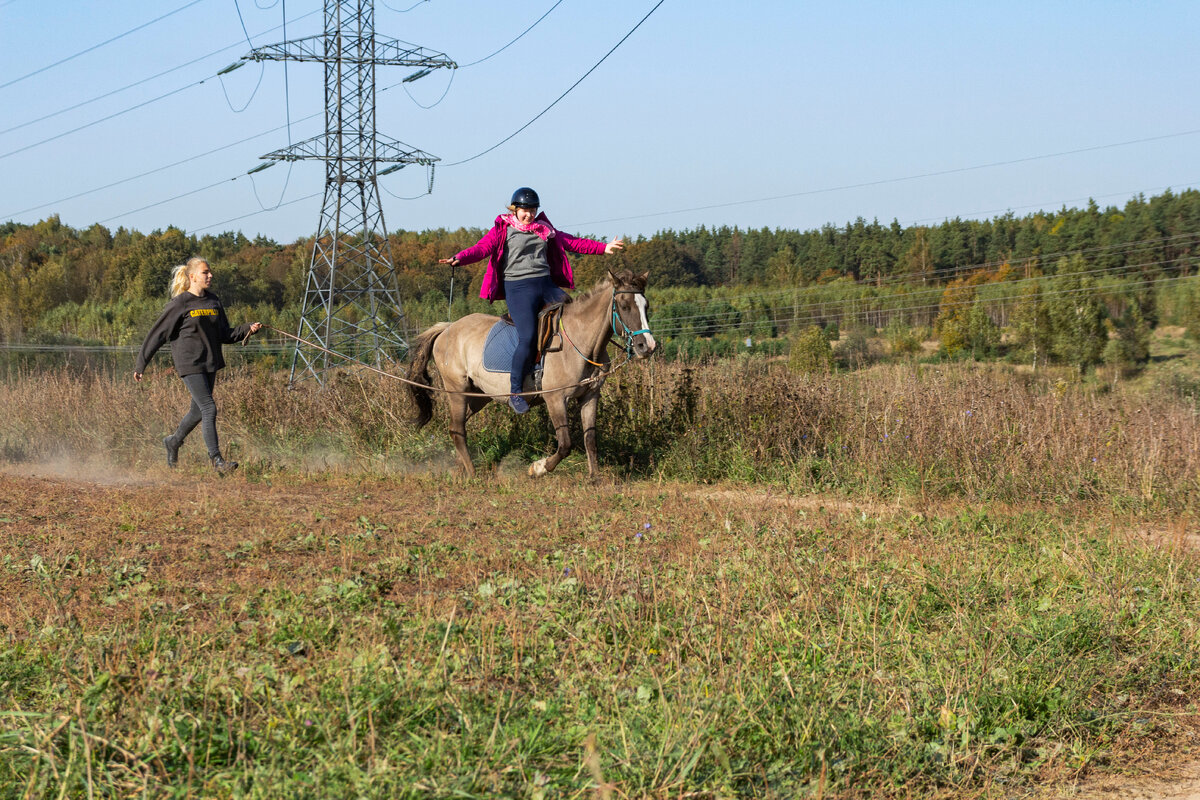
{"points": [[232, 67], [417, 75]]}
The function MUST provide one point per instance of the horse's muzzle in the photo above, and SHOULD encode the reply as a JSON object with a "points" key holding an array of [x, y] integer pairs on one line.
{"points": [[644, 346]]}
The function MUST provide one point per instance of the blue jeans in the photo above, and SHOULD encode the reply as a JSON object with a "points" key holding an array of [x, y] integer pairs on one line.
{"points": [[525, 299], [203, 409]]}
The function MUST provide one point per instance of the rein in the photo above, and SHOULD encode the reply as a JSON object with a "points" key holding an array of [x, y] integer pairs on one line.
{"points": [[584, 382]]}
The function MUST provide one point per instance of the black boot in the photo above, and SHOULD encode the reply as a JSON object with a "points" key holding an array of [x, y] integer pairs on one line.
{"points": [[172, 451], [222, 466]]}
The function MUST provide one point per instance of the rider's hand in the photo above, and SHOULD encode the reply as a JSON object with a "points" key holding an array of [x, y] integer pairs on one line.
{"points": [[616, 244], [452, 261], [137, 377], [255, 327]]}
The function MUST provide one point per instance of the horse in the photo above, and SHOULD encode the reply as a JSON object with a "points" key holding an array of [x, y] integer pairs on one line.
{"points": [[615, 306]]}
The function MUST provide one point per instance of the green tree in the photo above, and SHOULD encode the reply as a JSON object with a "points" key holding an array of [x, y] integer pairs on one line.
{"points": [[1076, 317], [810, 351], [669, 263], [1190, 308], [1031, 324], [1129, 348], [962, 325]]}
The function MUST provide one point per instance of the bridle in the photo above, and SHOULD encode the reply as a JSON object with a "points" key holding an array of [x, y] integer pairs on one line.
{"points": [[617, 318], [627, 334]]}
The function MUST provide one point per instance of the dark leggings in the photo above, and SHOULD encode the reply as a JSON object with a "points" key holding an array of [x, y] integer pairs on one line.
{"points": [[203, 409], [525, 299]]}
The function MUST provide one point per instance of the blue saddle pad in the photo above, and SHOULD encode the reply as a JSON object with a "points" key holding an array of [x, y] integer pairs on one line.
{"points": [[499, 346]]}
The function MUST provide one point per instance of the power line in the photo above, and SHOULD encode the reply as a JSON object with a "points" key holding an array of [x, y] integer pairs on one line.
{"points": [[885, 181], [1099, 272], [456, 163], [185, 161], [900, 280], [435, 103], [1039, 258], [428, 187], [1182, 239], [194, 231], [102, 119], [152, 171], [846, 308], [210, 186], [145, 80], [405, 10], [169, 199], [175, 163], [564, 94], [114, 115], [514, 41], [262, 70], [242, 22], [255, 347], [1044, 205], [82, 103], [97, 46], [833, 308]]}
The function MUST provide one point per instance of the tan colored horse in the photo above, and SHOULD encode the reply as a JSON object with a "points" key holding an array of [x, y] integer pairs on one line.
{"points": [[616, 305]]}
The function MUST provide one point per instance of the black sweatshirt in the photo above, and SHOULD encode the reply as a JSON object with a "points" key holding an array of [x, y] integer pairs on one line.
{"points": [[196, 327]]}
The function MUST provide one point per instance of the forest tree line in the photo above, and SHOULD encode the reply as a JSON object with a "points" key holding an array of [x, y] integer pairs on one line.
{"points": [[93, 285]]}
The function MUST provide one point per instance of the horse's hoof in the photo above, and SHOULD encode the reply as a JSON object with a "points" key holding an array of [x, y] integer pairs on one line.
{"points": [[537, 469]]}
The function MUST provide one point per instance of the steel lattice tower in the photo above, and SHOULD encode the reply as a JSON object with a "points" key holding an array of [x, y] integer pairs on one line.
{"points": [[351, 300]]}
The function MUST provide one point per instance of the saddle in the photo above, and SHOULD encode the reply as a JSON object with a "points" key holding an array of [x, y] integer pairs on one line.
{"points": [[548, 339]]}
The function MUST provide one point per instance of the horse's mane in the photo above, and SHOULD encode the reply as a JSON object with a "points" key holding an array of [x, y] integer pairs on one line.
{"points": [[605, 284]]}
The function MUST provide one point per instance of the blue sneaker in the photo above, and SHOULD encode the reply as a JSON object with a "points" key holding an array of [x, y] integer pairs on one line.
{"points": [[518, 404]]}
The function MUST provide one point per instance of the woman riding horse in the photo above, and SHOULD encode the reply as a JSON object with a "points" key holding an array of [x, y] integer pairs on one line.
{"points": [[527, 267], [615, 307]]}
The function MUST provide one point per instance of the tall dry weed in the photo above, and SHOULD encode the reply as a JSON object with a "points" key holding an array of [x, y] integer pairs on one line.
{"points": [[976, 431]]}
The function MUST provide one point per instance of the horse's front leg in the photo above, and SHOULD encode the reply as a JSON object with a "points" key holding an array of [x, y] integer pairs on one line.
{"points": [[587, 415], [556, 405]]}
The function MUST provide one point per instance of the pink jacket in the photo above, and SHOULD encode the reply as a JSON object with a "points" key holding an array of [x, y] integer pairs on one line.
{"points": [[492, 246]]}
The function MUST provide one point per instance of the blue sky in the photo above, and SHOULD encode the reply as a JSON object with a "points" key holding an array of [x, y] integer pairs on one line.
{"points": [[756, 114]]}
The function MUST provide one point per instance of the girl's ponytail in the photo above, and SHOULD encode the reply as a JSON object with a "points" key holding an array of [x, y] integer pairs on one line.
{"points": [[179, 280]]}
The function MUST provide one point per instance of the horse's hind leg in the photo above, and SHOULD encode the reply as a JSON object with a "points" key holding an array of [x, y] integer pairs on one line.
{"points": [[461, 409], [556, 405]]}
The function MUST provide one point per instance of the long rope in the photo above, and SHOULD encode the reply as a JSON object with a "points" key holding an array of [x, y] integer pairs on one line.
{"points": [[585, 382]]}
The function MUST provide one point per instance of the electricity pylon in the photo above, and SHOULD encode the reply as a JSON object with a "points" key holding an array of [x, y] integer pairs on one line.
{"points": [[351, 300]]}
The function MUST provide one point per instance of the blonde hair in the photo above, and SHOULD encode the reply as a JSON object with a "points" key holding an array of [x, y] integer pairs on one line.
{"points": [[181, 275]]}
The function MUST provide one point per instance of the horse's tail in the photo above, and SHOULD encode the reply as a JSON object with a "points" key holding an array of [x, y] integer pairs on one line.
{"points": [[418, 371]]}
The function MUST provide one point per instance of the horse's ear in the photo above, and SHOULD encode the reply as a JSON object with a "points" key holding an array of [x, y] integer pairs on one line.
{"points": [[612, 278], [644, 278]]}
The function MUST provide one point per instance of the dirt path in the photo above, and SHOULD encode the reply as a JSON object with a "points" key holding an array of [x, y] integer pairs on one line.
{"points": [[1158, 782]]}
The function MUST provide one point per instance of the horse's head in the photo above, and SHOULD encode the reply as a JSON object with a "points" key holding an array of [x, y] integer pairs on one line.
{"points": [[631, 311]]}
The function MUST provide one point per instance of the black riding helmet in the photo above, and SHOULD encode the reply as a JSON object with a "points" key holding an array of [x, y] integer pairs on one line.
{"points": [[524, 198]]}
